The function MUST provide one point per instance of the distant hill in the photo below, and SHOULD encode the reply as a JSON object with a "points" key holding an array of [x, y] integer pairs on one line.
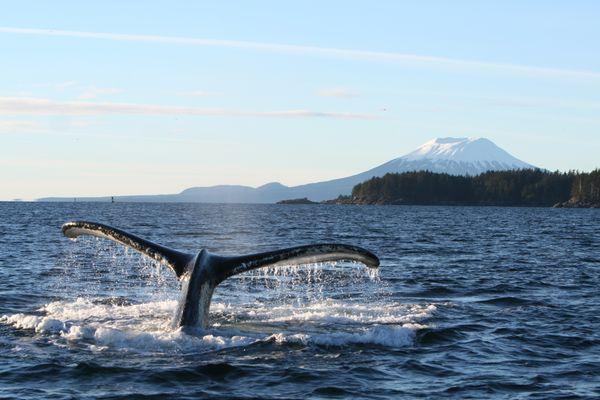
{"points": [[454, 156]]}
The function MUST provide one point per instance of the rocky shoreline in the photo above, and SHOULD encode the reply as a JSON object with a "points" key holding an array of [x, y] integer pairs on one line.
{"points": [[576, 204], [349, 200]]}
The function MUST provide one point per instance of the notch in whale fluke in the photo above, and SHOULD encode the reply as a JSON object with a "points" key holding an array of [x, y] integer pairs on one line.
{"points": [[204, 271]]}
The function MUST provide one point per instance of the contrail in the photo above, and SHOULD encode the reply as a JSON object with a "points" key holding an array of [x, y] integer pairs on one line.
{"points": [[365, 55]]}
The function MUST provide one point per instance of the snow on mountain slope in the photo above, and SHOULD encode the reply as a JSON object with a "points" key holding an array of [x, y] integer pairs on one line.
{"points": [[464, 150], [455, 156]]}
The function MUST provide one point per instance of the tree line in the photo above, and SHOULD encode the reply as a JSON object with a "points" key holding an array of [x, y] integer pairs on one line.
{"points": [[525, 187]]}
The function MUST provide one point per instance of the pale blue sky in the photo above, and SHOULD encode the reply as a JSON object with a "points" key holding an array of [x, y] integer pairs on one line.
{"points": [[140, 97]]}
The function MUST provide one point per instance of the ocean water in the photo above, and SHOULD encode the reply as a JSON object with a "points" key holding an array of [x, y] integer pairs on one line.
{"points": [[469, 302]]}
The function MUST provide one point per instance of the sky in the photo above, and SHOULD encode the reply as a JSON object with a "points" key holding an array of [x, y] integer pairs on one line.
{"points": [[146, 97]]}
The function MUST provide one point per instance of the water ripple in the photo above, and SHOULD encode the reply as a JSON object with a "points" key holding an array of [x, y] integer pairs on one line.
{"points": [[469, 303]]}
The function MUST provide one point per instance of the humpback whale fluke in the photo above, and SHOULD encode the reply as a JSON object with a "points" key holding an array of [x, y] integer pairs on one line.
{"points": [[201, 273]]}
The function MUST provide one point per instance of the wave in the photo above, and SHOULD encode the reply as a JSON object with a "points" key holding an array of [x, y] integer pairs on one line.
{"points": [[382, 335], [508, 301], [115, 325], [331, 311]]}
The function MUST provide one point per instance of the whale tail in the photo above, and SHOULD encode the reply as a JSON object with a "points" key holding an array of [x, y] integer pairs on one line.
{"points": [[204, 271]]}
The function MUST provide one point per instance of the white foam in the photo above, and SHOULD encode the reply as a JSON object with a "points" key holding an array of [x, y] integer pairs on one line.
{"points": [[50, 325], [332, 311], [383, 335], [82, 309], [21, 321], [37, 323], [146, 327], [77, 332]]}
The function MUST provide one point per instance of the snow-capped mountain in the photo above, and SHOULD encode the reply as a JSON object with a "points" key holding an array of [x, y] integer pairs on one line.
{"points": [[455, 156]]}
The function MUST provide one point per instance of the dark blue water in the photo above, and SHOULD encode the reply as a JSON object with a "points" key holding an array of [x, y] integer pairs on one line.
{"points": [[468, 303]]}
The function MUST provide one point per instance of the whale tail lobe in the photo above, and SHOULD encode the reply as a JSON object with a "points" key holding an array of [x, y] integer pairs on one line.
{"points": [[176, 260]]}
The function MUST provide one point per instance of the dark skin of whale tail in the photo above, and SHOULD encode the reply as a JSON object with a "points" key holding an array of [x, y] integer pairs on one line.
{"points": [[202, 272], [176, 260]]}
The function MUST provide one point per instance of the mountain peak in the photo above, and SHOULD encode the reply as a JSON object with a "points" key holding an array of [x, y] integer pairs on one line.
{"points": [[447, 140], [472, 149], [272, 185]]}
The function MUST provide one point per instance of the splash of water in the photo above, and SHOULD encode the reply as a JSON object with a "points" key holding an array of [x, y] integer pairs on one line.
{"points": [[121, 300]]}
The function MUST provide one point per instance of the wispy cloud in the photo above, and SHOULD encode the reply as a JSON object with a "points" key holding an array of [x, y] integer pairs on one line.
{"points": [[337, 92], [37, 106], [92, 92], [322, 51]]}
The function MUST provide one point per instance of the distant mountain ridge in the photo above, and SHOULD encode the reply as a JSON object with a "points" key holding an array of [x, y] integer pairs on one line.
{"points": [[455, 156]]}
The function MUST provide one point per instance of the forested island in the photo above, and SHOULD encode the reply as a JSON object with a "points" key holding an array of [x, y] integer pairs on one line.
{"points": [[303, 200], [526, 187]]}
